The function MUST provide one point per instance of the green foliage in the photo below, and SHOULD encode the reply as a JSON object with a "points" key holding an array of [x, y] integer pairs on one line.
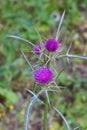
{"points": [[20, 117], [10, 96], [71, 79], [64, 79]]}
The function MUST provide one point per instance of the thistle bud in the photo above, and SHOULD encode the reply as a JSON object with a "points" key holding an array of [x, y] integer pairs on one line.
{"points": [[37, 49]]}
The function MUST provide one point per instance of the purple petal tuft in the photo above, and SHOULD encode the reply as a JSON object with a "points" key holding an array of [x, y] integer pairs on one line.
{"points": [[51, 45], [43, 75]]}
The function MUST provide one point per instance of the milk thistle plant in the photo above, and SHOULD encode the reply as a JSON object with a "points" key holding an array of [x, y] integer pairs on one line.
{"points": [[44, 73]]}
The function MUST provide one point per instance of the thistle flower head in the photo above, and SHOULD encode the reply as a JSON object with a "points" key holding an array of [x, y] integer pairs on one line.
{"points": [[37, 49], [51, 45], [43, 75]]}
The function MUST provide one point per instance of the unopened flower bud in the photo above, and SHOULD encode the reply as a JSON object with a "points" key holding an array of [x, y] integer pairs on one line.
{"points": [[37, 49]]}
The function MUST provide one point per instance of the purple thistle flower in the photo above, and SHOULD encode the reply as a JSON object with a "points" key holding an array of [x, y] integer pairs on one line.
{"points": [[37, 49], [43, 75], [51, 45]]}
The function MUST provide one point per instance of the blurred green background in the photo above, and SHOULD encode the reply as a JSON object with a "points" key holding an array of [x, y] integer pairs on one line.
{"points": [[20, 18]]}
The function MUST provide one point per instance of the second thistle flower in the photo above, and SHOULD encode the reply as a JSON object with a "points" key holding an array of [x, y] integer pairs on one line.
{"points": [[51, 45]]}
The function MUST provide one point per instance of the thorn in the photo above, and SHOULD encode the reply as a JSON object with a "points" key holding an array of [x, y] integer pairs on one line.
{"points": [[56, 86], [54, 70], [58, 74], [76, 128], [22, 39], [62, 117], [40, 55], [27, 60], [39, 36], [47, 60], [69, 63], [31, 92], [69, 48], [61, 20]]}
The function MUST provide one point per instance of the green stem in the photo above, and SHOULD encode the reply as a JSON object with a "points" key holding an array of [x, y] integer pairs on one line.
{"points": [[45, 114]]}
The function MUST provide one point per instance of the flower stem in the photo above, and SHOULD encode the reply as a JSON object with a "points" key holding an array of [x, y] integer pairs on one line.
{"points": [[45, 114]]}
